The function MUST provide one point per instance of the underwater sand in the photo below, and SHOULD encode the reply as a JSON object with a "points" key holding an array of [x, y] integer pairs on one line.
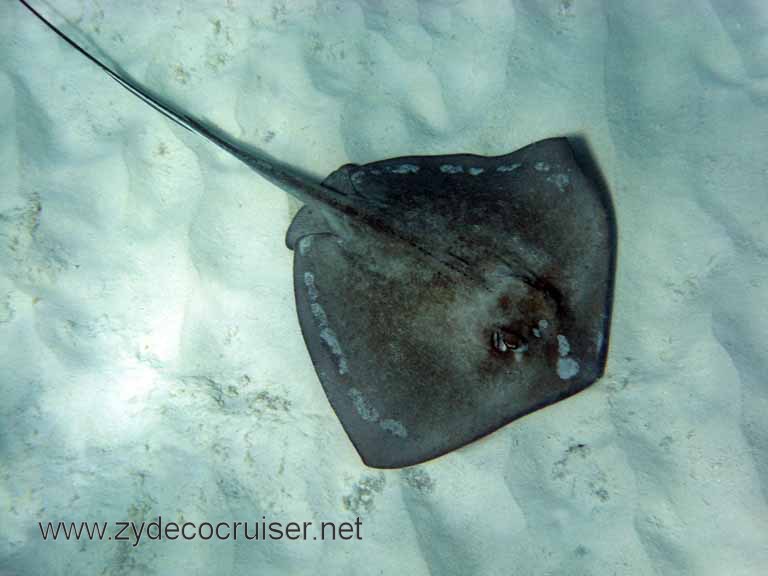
{"points": [[151, 362]]}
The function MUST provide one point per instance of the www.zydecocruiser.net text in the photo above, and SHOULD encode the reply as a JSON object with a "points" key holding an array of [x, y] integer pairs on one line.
{"points": [[158, 530]]}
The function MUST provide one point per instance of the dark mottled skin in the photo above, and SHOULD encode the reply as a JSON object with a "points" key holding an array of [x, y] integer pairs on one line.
{"points": [[437, 311]]}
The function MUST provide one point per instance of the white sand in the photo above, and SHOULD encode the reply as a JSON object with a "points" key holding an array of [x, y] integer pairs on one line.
{"points": [[151, 361]]}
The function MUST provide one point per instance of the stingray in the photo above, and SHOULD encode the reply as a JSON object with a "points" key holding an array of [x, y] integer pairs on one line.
{"points": [[441, 297]]}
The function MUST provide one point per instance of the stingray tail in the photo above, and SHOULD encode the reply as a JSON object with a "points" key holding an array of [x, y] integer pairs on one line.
{"points": [[289, 179]]}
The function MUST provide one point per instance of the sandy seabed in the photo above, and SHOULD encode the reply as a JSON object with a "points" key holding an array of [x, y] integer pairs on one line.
{"points": [[151, 363]]}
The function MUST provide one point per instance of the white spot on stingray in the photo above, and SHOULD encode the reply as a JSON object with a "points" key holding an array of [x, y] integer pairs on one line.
{"points": [[537, 332], [476, 171], [309, 282], [357, 177], [541, 167], [376, 172], [394, 427], [405, 169], [362, 406], [559, 180], [567, 368], [451, 169], [304, 245], [508, 168], [327, 334], [368, 413], [543, 324]]}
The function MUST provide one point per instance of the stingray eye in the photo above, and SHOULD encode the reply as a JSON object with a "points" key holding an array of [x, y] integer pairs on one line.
{"points": [[498, 341], [504, 341]]}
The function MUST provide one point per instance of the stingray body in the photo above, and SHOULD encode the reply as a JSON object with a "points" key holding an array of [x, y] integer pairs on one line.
{"points": [[442, 297]]}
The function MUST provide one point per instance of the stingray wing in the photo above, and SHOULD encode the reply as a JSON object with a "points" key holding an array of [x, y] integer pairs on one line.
{"points": [[488, 296]]}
